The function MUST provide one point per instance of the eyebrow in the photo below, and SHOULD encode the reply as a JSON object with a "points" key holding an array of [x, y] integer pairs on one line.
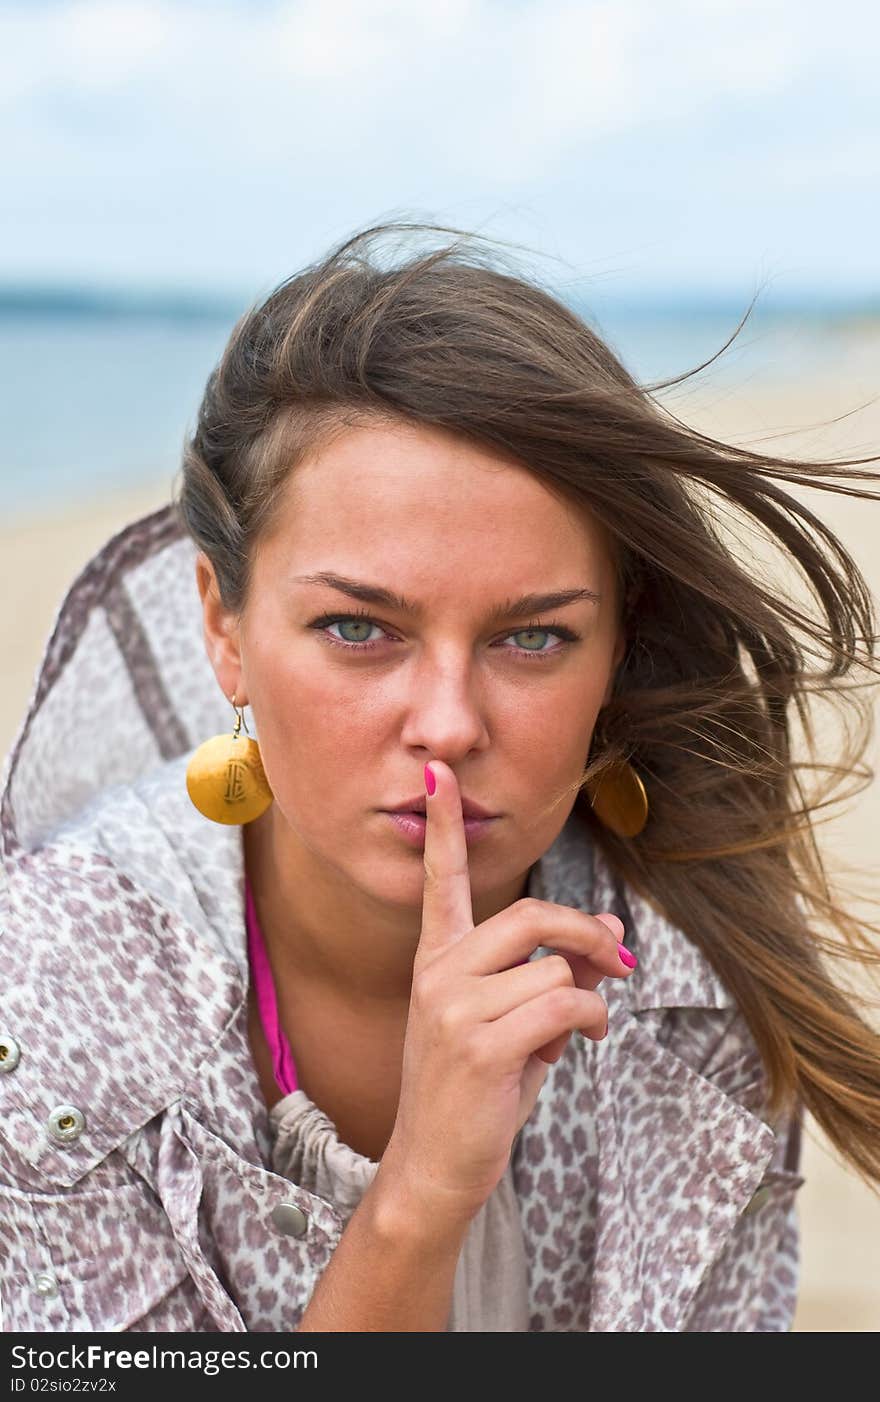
{"points": [[386, 598]]}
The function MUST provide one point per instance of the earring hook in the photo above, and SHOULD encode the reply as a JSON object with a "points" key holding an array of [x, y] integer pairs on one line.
{"points": [[239, 719]]}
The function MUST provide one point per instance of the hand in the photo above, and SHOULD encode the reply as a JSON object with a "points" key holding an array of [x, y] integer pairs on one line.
{"points": [[482, 1026]]}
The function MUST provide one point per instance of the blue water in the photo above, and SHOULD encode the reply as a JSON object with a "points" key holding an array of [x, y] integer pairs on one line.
{"points": [[95, 398], [97, 404]]}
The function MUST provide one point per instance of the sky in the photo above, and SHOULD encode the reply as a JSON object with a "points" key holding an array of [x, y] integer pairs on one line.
{"points": [[669, 146]]}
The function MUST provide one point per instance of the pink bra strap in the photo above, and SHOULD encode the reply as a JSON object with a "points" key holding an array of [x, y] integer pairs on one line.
{"points": [[283, 1065]]}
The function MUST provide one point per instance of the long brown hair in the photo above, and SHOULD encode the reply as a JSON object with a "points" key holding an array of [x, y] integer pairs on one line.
{"points": [[716, 670]]}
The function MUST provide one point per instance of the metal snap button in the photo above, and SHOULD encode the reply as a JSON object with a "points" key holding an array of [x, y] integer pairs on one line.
{"points": [[289, 1219], [10, 1053], [65, 1124], [45, 1284], [758, 1199]]}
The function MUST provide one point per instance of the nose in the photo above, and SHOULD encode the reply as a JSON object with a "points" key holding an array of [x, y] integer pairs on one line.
{"points": [[445, 711]]}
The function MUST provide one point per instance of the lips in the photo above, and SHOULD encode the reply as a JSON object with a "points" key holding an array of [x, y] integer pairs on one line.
{"points": [[469, 808], [413, 827]]}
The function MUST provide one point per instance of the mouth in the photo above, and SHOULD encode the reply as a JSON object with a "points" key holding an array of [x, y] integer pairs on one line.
{"points": [[412, 825], [470, 809]]}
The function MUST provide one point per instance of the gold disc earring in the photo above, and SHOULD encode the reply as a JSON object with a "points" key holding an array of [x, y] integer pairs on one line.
{"points": [[619, 800], [225, 778]]}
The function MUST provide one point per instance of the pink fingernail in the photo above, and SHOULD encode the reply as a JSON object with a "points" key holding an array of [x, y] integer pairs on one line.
{"points": [[626, 958], [430, 781]]}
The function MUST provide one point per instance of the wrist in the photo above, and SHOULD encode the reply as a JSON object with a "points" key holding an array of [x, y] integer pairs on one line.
{"points": [[407, 1211]]}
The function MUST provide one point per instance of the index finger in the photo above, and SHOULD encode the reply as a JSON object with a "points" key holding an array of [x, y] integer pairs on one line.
{"points": [[447, 911]]}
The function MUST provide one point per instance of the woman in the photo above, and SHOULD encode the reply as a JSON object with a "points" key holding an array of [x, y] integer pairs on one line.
{"points": [[279, 1058]]}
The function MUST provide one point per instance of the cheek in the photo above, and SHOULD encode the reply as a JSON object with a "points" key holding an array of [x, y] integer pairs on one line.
{"points": [[309, 722], [296, 690], [551, 723]]}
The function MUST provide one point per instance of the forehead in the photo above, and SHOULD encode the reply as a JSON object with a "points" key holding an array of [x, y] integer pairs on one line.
{"points": [[384, 493]]}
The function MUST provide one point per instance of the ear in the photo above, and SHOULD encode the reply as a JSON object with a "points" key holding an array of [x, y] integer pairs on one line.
{"points": [[221, 632]]}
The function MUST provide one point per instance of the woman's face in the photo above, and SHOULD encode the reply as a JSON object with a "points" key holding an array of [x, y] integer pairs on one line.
{"points": [[348, 709]]}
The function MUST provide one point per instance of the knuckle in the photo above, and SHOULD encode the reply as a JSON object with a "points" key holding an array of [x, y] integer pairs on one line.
{"points": [[476, 1049], [558, 969], [565, 1002], [530, 912], [432, 877], [597, 1010], [424, 990], [449, 1020]]}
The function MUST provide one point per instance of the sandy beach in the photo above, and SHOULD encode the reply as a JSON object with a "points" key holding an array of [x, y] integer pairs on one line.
{"points": [[839, 1216]]}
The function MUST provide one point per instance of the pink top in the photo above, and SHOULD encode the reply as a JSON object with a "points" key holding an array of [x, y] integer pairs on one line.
{"points": [[261, 972]]}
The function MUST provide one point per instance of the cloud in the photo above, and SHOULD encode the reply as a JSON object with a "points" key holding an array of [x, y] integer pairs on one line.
{"points": [[235, 114], [514, 81], [91, 45]]}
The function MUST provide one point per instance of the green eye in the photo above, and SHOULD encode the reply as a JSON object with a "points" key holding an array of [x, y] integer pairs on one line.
{"points": [[532, 632], [365, 621]]}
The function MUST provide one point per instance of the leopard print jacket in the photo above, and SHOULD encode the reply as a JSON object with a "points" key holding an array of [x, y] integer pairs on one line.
{"points": [[136, 1191]]}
